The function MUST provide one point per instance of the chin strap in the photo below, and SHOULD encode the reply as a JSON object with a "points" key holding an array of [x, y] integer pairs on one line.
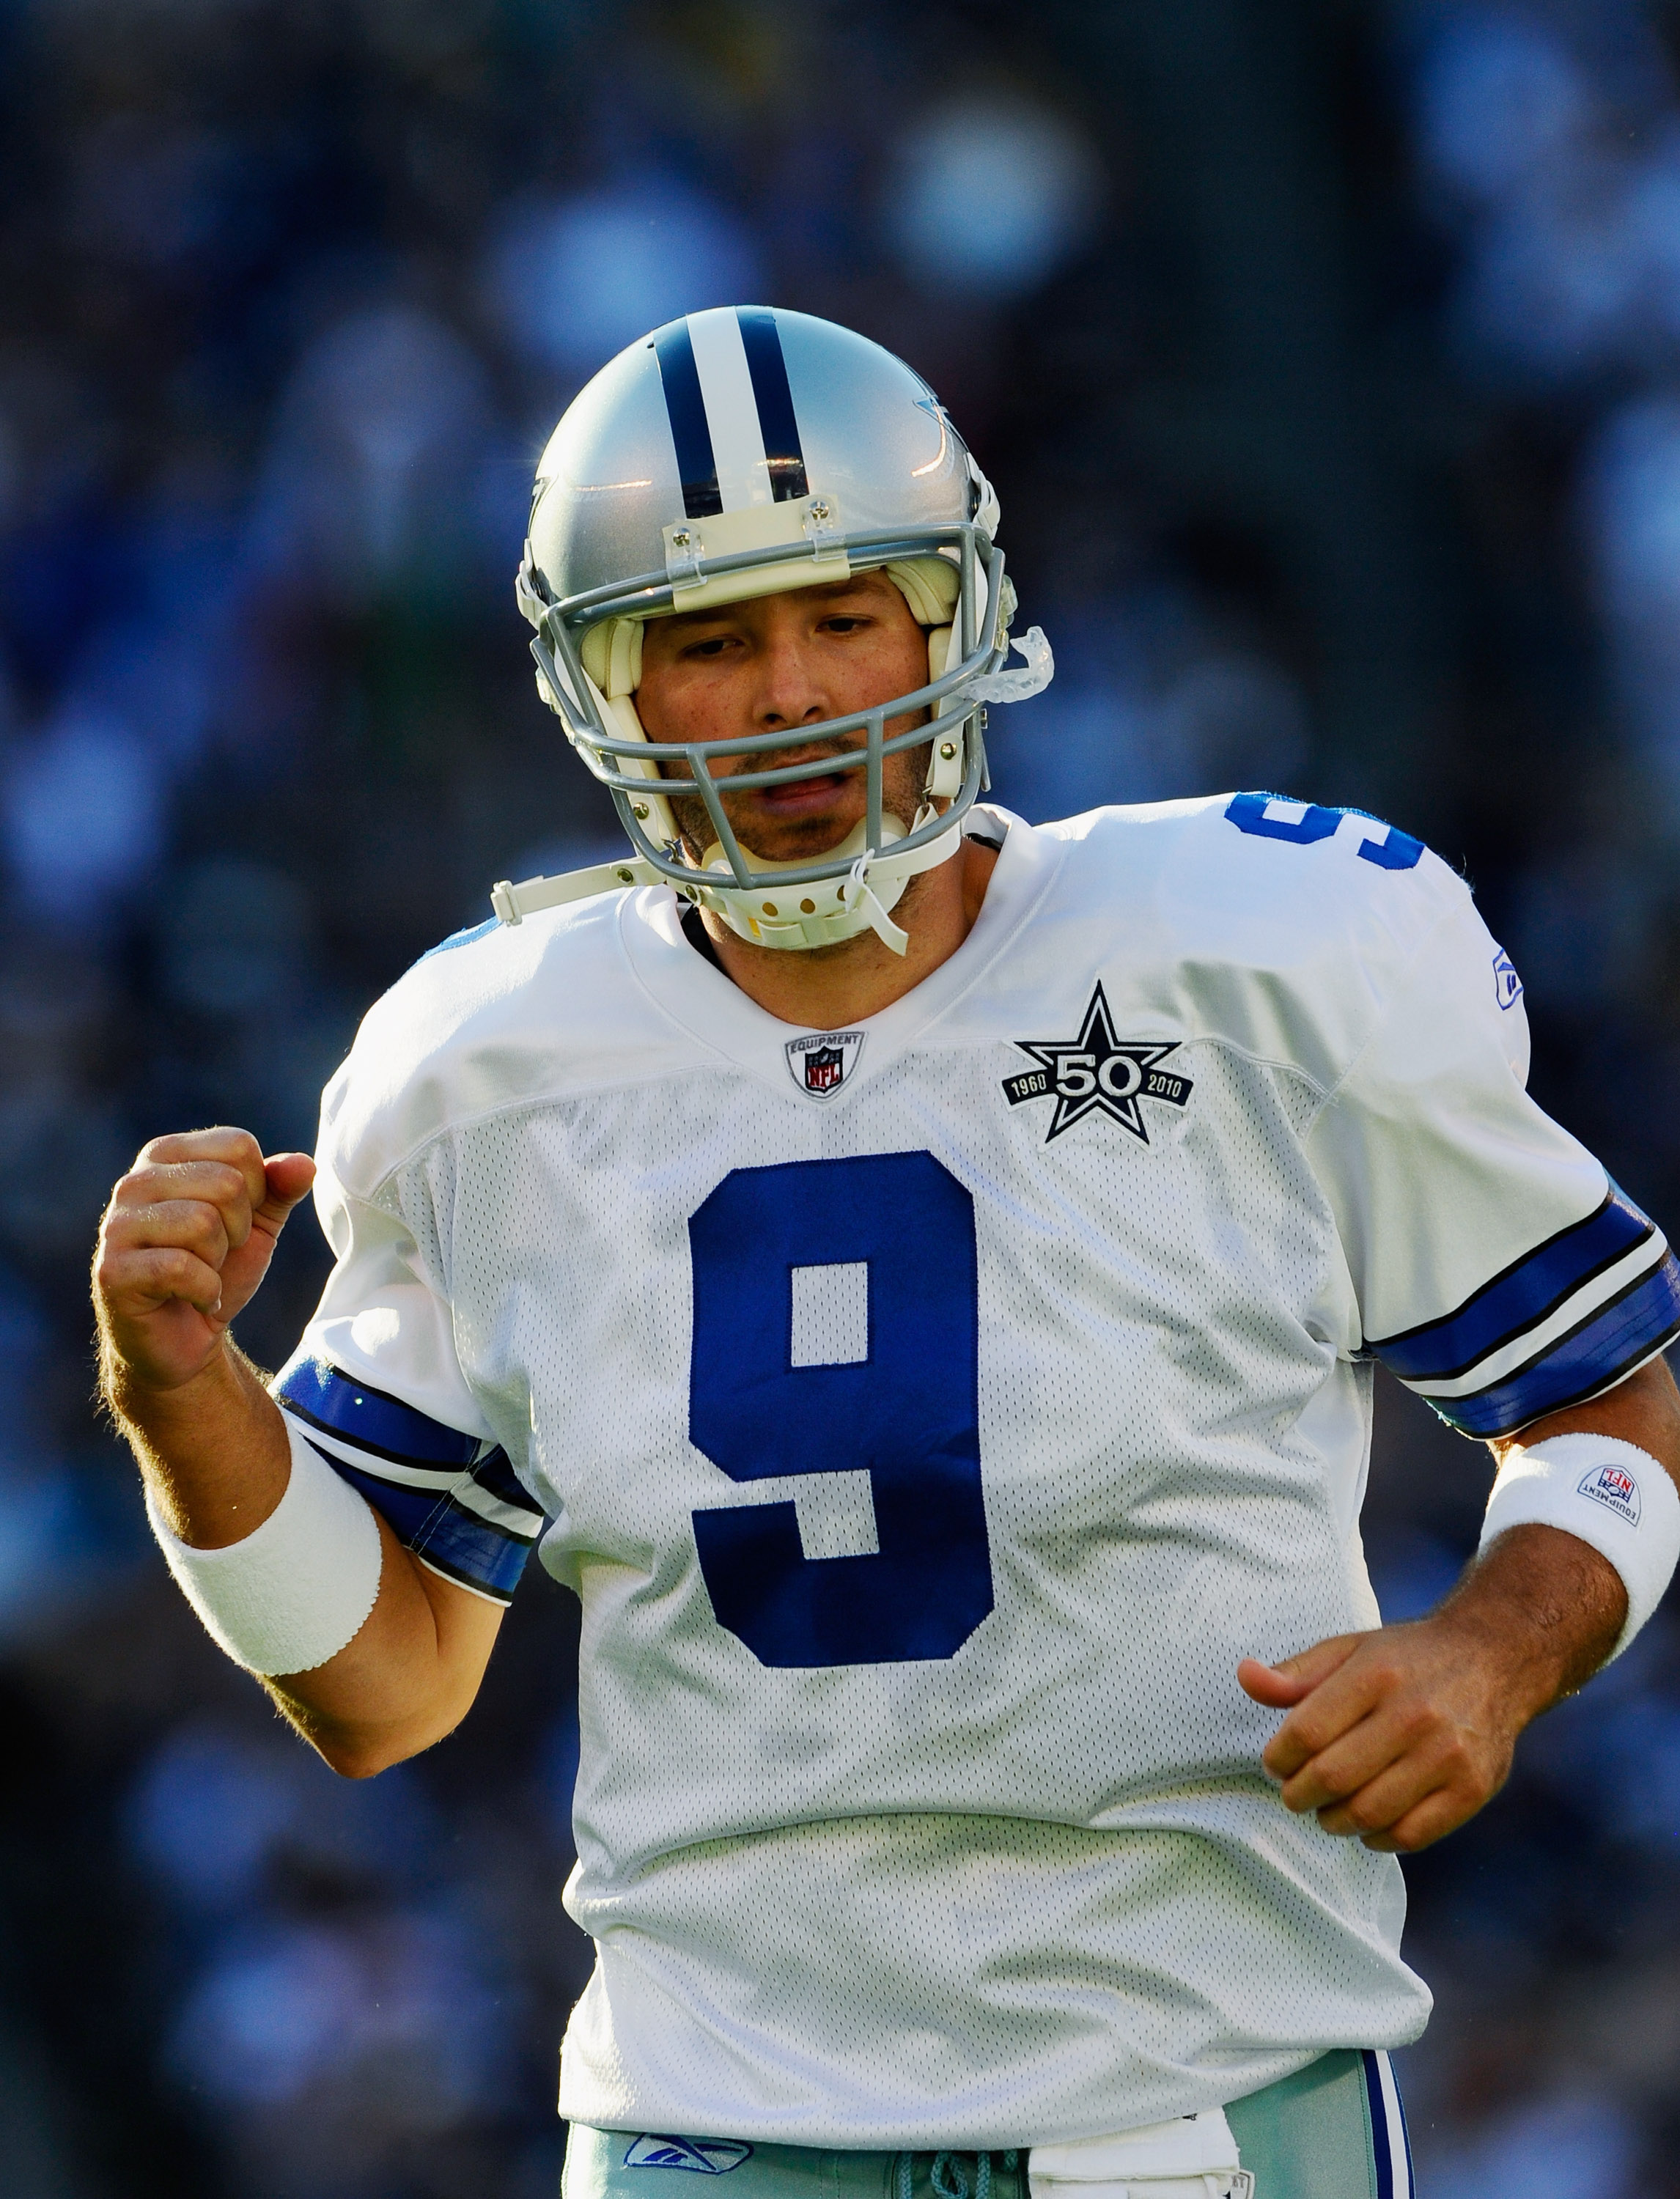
{"points": [[514, 903], [863, 894], [855, 903]]}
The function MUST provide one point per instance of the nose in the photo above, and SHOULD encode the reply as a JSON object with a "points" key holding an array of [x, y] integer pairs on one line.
{"points": [[789, 693]]}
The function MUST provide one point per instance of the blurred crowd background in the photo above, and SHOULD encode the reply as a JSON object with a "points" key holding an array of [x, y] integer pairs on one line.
{"points": [[1326, 354]]}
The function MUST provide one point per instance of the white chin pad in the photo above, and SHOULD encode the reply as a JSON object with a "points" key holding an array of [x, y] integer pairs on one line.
{"points": [[825, 912]]}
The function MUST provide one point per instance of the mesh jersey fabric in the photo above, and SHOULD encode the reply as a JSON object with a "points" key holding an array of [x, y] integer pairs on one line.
{"points": [[918, 1805]]}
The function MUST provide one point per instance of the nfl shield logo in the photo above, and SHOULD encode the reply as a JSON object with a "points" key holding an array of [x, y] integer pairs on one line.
{"points": [[824, 1068], [1613, 1487], [821, 1063]]}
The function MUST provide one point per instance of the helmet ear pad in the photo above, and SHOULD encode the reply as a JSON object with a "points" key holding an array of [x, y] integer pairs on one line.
{"points": [[932, 585], [612, 655], [620, 712]]}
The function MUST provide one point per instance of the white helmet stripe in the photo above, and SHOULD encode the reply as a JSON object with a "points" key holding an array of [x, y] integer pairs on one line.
{"points": [[731, 411]]}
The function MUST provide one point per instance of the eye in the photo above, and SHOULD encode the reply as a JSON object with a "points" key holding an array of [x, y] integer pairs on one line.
{"points": [[844, 622], [714, 645]]}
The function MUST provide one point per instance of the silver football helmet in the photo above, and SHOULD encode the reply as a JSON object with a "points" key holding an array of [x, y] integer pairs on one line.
{"points": [[737, 452]]}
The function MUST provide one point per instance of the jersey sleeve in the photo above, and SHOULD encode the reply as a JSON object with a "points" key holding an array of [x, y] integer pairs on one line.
{"points": [[375, 1386], [1499, 1273]]}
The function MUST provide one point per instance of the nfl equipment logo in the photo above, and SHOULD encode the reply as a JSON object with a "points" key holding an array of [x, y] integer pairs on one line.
{"points": [[824, 1068], [821, 1063], [1613, 1487]]}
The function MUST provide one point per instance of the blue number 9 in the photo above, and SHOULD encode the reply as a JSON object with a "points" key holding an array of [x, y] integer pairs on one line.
{"points": [[1395, 851], [904, 1404]]}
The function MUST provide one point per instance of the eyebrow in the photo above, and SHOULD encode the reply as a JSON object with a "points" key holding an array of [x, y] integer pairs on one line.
{"points": [[823, 591]]}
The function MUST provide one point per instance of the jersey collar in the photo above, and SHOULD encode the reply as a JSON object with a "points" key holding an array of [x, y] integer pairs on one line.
{"points": [[686, 988]]}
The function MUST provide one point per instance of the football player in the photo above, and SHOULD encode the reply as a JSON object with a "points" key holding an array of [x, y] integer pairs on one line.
{"points": [[916, 1275]]}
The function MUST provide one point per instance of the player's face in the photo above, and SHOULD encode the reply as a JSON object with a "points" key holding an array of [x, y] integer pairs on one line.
{"points": [[770, 666]]}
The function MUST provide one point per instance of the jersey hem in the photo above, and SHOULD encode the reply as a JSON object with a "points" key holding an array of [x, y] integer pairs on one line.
{"points": [[932, 2130]]}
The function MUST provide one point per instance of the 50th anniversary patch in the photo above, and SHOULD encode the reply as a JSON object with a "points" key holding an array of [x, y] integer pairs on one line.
{"points": [[1097, 1072]]}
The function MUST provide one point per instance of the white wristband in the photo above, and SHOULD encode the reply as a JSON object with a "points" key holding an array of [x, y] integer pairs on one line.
{"points": [[1606, 1492], [298, 1587]]}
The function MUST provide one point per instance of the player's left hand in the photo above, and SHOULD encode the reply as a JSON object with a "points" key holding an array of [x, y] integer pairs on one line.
{"points": [[1396, 1736]]}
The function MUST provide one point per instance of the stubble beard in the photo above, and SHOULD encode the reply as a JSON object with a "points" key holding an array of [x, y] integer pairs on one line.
{"points": [[902, 778]]}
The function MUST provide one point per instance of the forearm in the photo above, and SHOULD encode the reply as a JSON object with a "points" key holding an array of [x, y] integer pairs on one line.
{"points": [[213, 1449], [1600, 1474], [404, 1680], [216, 1454], [218, 1459], [1539, 1611], [1400, 1734]]}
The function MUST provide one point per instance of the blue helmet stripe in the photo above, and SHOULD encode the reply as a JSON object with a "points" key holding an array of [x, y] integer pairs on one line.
{"points": [[691, 432], [784, 453]]}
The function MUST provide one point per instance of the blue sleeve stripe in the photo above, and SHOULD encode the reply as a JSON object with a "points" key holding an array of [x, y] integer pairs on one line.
{"points": [[495, 1473], [470, 1550], [521, 1519], [1611, 1342], [439, 1480], [407, 1510], [454, 1542], [475, 1486], [337, 1403], [1526, 1294], [498, 1590]]}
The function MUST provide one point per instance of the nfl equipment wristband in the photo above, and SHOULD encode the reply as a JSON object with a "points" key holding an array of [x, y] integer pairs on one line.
{"points": [[297, 1588], [1606, 1492]]}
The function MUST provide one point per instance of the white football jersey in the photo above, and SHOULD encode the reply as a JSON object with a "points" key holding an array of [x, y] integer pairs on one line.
{"points": [[930, 1415]]}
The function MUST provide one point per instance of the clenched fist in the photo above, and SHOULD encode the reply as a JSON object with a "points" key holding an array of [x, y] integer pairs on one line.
{"points": [[186, 1239]]}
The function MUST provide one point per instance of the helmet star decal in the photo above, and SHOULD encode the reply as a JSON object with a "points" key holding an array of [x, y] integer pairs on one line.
{"points": [[1096, 1072]]}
